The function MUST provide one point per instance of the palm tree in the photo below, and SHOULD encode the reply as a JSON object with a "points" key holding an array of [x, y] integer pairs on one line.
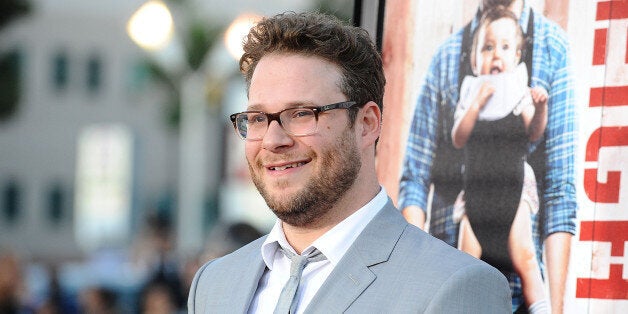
{"points": [[198, 39]]}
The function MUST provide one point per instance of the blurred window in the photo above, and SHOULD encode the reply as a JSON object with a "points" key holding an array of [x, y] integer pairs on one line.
{"points": [[94, 74], [56, 201], [60, 71], [11, 201]]}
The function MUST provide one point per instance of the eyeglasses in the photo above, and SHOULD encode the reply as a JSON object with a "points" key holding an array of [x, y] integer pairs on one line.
{"points": [[298, 121]]}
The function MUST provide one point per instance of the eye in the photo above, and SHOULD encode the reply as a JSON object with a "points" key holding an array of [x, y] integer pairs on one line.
{"points": [[505, 46], [256, 118], [301, 114], [488, 48]]}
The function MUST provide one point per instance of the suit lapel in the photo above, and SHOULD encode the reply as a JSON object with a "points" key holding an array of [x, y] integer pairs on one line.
{"points": [[352, 274]]}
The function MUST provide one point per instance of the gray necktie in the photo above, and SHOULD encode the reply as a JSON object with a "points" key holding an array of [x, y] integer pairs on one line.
{"points": [[286, 303]]}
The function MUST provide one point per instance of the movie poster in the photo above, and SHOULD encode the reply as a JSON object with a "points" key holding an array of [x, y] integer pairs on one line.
{"points": [[507, 128]]}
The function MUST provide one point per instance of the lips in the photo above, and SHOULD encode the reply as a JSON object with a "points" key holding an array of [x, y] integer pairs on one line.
{"points": [[496, 70], [286, 166]]}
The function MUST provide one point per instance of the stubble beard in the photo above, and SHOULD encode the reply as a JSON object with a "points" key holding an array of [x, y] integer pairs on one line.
{"points": [[339, 169]]}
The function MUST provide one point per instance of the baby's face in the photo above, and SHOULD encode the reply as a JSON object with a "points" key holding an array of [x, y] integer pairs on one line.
{"points": [[497, 47]]}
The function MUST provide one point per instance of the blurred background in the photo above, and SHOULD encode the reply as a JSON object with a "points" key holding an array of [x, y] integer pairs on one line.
{"points": [[119, 170]]}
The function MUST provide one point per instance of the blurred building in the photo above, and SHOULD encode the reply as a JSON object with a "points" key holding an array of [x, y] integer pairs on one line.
{"points": [[84, 96], [90, 148]]}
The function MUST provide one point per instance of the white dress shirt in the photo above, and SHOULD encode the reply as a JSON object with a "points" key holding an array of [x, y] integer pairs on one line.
{"points": [[333, 244]]}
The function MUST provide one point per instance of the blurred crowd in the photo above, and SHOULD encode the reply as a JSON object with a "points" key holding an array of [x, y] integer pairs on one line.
{"points": [[148, 277]]}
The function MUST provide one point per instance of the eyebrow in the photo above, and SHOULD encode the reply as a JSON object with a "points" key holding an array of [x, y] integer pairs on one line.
{"points": [[295, 104]]}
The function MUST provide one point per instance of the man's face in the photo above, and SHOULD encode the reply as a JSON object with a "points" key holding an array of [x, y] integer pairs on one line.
{"points": [[497, 47], [301, 177]]}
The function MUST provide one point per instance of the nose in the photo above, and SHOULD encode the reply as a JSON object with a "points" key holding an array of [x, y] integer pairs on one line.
{"points": [[276, 137], [497, 53]]}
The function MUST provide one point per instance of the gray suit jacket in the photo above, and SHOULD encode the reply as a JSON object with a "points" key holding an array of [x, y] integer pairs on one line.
{"points": [[392, 267]]}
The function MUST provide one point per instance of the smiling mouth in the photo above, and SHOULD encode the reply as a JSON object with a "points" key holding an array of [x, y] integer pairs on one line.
{"points": [[288, 166]]}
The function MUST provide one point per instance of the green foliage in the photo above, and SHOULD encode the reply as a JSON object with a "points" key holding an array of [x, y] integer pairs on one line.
{"points": [[172, 104], [10, 87], [343, 9], [10, 75], [12, 9], [199, 41]]}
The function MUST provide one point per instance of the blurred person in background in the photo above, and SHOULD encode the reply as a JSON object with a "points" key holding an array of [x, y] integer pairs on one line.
{"points": [[12, 289], [164, 268], [225, 238], [57, 301], [98, 300], [158, 298]]}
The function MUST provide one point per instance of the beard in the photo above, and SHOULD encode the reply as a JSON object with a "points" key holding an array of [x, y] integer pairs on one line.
{"points": [[339, 169]]}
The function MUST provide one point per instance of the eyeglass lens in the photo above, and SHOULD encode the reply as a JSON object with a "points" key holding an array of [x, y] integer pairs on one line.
{"points": [[296, 121]]}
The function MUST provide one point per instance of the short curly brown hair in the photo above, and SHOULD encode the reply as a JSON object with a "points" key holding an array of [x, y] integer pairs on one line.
{"points": [[326, 37]]}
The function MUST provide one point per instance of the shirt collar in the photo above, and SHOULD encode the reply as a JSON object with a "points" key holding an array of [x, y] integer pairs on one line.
{"points": [[328, 243]]}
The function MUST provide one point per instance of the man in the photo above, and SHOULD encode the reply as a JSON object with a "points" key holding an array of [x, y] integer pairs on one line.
{"points": [[431, 159], [315, 89]]}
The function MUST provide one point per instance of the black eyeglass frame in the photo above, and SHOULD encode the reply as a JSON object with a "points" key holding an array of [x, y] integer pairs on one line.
{"points": [[276, 116]]}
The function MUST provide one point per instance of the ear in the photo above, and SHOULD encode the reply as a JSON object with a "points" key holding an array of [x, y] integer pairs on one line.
{"points": [[369, 121]]}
